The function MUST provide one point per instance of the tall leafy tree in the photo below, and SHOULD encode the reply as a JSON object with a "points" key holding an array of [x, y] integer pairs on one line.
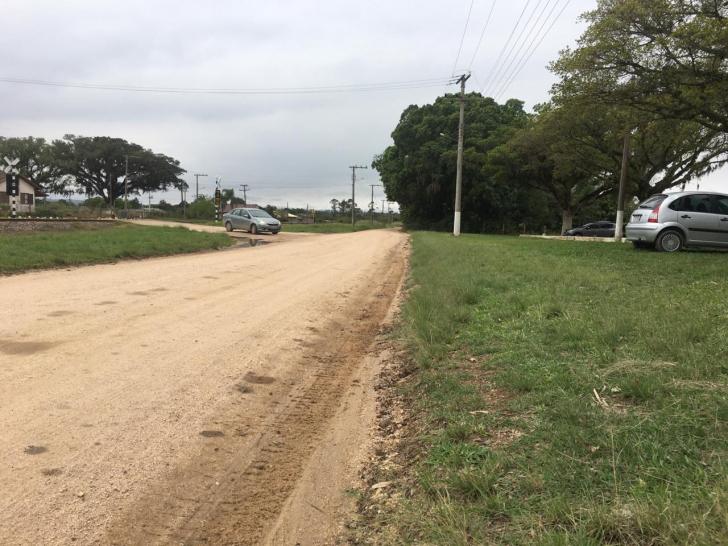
{"points": [[419, 169], [97, 166], [666, 57], [664, 153], [539, 156], [38, 161]]}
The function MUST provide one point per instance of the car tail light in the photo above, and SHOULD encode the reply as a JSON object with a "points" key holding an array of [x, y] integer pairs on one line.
{"points": [[653, 215]]}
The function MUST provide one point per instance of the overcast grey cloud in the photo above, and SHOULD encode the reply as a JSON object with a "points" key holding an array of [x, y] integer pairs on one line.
{"points": [[293, 148]]}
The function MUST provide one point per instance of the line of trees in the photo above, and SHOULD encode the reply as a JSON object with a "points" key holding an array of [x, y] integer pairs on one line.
{"points": [[94, 166], [657, 70]]}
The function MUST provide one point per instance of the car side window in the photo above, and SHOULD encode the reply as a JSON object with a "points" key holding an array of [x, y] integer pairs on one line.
{"points": [[245, 214], [675, 205], [722, 204], [696, 203]]}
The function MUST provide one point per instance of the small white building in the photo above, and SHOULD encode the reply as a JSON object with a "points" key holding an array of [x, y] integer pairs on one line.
{"points": [[25, 201]]}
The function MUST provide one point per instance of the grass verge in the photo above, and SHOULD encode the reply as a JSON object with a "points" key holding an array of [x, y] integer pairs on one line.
{"points": [[562, 394], [89, 244]]}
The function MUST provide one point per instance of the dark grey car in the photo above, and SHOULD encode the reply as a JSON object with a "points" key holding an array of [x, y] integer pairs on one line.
{"points": [[672, 221], [251, 220], [595, 229]]}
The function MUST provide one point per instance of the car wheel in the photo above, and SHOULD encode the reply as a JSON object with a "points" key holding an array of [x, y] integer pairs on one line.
{"points": [[253, 229], [669, 241], [228, 226]]}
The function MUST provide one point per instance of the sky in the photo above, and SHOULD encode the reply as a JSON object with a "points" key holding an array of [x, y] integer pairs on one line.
{"points": [[289, 147]]}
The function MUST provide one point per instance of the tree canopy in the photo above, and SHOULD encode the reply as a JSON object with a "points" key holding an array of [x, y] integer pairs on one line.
{"points": [[418, 170], [38, 161], [666, 57], [98, 165]]}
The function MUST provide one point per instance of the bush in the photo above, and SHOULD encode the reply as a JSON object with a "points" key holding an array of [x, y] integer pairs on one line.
{"points": [[201, 209]]}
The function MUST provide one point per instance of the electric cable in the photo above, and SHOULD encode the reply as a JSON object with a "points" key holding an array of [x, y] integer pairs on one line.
{"points": [[533, 50], [481, 35], [487, 80], [496, 81], [408, 84]]}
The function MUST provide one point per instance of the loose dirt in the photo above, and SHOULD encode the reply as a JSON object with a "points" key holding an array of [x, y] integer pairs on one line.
{"points": [[143, 403]]}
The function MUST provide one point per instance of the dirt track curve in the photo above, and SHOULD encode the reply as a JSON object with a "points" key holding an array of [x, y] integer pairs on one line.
{"points": [[180, 400]]}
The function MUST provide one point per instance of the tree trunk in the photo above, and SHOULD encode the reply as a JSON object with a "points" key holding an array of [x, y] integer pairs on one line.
{"points": [[567, 220]]}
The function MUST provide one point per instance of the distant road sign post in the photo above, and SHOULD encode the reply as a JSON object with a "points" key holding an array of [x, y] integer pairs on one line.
{"points": [[12, 182], [313, 213]]}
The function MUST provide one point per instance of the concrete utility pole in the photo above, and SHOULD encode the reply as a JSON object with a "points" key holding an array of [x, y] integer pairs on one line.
{"points": [[244, 188], [197, 185], [459, 176], [353, 186], [126, 175], [184, 205], [622, 184], [372, 201]]}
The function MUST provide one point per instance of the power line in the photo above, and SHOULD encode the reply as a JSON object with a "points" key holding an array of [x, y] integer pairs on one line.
{"points": [[496, 80], [481, 36], [487, 80], [408, 84], [506, 75], [534, 49], [457, 58], [281, 187]]}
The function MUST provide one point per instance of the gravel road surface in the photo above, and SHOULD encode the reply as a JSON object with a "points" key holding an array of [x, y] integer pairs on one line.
{"points": [[179, 400]]}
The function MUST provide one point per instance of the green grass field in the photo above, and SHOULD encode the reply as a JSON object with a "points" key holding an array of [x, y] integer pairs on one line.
{"points": [[564, 393], [89, 244]]}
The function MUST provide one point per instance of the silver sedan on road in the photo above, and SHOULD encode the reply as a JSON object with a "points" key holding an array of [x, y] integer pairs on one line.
{"points": [[252, 220], [673, 221]]}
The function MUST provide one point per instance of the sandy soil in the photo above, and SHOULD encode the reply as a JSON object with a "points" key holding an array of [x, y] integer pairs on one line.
{"points": [[282, 237], [198, 399]]}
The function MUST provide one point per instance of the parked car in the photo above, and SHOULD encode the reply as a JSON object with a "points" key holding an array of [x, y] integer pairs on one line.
{"points": [[676, 220], [595, 229], [252, 220]]}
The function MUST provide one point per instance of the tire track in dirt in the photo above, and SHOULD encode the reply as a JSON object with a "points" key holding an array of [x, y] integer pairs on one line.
{"points": [[235, 489]]}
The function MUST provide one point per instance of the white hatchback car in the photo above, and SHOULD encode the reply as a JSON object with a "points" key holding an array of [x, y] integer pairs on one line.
{"points": [[676, 220]]}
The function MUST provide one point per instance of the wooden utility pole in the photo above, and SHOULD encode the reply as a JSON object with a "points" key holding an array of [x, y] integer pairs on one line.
{"points": [[622, 184], [459, 176], [245, 188], [353, 187], [371, 204]]}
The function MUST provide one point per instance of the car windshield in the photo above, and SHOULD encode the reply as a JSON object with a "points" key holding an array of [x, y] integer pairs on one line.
{"points": [[652, 202], [259, 214]]}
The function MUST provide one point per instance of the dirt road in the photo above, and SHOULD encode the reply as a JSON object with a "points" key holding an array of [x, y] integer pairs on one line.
{"points": [[180, 400]]}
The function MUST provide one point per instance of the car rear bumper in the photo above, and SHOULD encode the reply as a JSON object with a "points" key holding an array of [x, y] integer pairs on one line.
{"points": [[642, 233]]}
